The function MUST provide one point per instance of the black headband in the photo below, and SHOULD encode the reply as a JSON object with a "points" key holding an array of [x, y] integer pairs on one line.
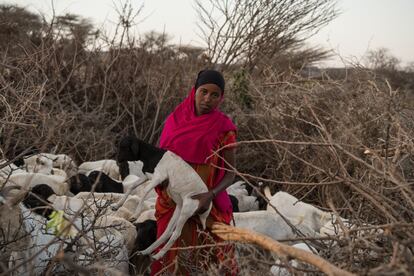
{"points": [[210, 76]]}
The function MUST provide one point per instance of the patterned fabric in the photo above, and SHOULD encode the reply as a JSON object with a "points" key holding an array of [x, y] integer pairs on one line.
{"points": [[196, 260]]}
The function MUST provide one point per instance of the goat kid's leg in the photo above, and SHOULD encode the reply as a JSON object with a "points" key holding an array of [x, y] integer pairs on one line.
{"points": [[187, 211], [167, 233], [136, 185], [154, 183]]}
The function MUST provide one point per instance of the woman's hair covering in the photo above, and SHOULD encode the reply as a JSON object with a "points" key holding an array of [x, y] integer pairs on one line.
{"points": [[210, 76]]}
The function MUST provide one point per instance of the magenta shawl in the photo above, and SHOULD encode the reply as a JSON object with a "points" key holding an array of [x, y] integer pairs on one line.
{"points": [[194, 137]]}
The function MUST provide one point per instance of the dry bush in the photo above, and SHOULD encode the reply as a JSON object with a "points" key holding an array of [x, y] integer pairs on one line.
{"points": [[262, 33], [81, 104], [345, 145]]}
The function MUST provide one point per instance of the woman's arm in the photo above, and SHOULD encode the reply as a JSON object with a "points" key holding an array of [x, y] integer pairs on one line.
{"points": [[205, 198], [230, 157]]}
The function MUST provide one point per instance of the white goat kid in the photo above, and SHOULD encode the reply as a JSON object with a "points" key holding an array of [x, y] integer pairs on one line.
{"points": [[58, 161], [38, 164], [109, 167], [183, 183]]}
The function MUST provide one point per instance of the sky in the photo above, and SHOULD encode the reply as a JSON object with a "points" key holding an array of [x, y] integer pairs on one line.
{"points": [[362, 25]]}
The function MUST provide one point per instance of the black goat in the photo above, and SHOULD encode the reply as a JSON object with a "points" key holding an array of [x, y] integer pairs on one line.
{"points": [[79, 183], [36, 200], [102, 182], [133, 149], [146, 234]]}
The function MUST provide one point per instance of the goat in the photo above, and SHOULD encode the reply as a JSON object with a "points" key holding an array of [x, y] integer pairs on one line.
{"points": [[59, 161], [269, 224], [29, 180], [281, 271], [7, 170], [183, 183], [63, 162], [248, 198], [146, 234], [13, 237], [38, 164], [41, 244], [103, 183], [125, 228], [133, 149], [37, 200], [245, 202], [79, 183], [42, 197], [109, 167], [296, 211], [44, 245]]}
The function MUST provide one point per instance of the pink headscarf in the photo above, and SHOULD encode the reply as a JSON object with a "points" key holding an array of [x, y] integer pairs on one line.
{"points": [[193, 137]]}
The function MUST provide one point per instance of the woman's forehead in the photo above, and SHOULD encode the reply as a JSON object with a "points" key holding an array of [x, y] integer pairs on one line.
{"points": [[211, 87]]}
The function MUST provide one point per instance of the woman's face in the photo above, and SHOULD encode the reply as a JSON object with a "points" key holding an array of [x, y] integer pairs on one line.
{"points": [[207, 98]]}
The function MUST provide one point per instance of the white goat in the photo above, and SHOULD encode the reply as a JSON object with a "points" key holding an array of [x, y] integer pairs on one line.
{"points": [[29, 180], [183, 183], [59, 161], [125, 228], [146, 215], [108, 166], [246, 202], [44, 245], [63, 162], [270, 224], [41, 245], [38, 164], [129, 184], [88, 206], [296, 211], [281, 271], [7, 170]]}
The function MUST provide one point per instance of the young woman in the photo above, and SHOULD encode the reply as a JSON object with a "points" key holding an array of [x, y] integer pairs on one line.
{"points": [[194, 131]]}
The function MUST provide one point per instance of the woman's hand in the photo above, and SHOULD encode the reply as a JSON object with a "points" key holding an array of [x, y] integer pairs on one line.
{"points": [[204, 201]]}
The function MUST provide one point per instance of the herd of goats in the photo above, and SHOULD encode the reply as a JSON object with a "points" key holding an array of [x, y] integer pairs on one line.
{"points": [[50, 205]]}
